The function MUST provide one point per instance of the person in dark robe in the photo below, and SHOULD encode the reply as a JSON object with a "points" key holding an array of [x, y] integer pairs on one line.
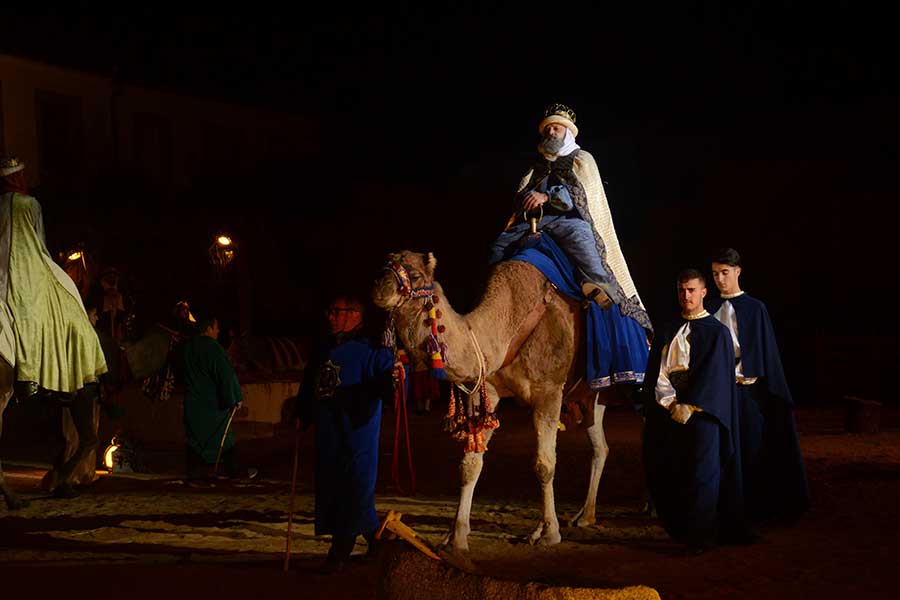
{"points": [[775, 484], [343, 386], [212, 393], [691, 434]]}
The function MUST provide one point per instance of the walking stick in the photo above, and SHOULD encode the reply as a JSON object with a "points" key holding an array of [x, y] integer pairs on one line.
{"points": [[287, 548], [222, 443]]}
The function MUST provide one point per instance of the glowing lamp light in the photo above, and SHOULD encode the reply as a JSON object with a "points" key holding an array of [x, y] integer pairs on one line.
{"points": [[109, 460], [221, 252], [75, 255]]}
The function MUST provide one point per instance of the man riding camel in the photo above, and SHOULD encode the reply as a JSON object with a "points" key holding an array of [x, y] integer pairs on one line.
{"points": [[564, 186], [45, 333]]}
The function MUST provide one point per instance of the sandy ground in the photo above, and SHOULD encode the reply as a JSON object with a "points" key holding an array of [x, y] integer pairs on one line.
{"points": [[144, 536]]}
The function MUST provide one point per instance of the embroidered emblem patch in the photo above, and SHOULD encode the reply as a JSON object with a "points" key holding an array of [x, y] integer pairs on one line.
{"points": [[328, 380]]}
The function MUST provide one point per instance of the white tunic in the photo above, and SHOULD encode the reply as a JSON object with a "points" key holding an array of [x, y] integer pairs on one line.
{"points": [[728, 317], [676, 357]]}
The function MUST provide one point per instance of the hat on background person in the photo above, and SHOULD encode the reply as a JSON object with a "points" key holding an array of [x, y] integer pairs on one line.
{"points": [[10, 164]]}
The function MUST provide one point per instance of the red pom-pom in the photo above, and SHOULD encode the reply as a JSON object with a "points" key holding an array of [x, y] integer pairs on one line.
{"points": [[438, 314], [435, 299], [441, 329]]}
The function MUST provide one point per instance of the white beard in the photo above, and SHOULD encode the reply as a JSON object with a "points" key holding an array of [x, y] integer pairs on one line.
{"points": [[568, 146]]}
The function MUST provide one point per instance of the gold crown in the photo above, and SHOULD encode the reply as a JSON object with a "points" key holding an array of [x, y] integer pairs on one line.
{"points": [[561, 110]]}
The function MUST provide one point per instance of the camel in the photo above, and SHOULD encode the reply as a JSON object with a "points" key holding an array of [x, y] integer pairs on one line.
{"points": [[529, 335]]}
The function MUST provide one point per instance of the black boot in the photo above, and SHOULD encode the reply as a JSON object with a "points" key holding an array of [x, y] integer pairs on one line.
{"points": [[372, 549]]}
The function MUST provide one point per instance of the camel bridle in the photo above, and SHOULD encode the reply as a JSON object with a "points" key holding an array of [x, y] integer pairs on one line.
{"points": [[406, 289]]}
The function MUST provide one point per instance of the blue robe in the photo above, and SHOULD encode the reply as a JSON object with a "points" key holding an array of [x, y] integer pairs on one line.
{"points": [[775, 481], [693, 470], [616, 345], [342, 393]]}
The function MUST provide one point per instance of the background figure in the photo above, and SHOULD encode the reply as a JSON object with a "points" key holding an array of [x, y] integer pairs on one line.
{"points": [[343, 386], [691, 434], [112, 308], [182, 320], [212, 392], [774, 475], [45, 333], [425, 388]]}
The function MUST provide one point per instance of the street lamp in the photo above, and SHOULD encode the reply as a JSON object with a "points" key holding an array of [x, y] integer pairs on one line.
{"points": [[221, 252]]}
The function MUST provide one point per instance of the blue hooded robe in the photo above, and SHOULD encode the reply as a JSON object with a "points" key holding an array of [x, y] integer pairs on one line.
{"points": [[775, 481]]}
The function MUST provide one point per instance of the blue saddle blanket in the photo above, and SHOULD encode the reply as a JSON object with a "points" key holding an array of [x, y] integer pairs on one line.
{"points": [[616, 345]]}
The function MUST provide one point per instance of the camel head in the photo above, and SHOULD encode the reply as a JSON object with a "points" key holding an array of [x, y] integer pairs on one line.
{"points": [[405, 275]]}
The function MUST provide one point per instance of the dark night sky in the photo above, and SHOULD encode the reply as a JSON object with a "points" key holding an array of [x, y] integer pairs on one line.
{"points": [[771, 129]]}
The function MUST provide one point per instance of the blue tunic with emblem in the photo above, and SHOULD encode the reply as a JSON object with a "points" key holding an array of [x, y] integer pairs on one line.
{"points": [[342, 394]]}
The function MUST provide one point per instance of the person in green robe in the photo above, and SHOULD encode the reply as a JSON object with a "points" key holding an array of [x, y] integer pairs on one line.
{"points": [[212, 393]]}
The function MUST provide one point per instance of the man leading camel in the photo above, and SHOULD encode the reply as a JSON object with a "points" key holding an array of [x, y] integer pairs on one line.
{"points": [[343, 386], [565, 185]]}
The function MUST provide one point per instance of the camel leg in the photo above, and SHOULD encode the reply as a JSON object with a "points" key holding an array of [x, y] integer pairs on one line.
{"points": [[546, 422], [13, 502], [588, 514], [82, 411], [469, 471]]}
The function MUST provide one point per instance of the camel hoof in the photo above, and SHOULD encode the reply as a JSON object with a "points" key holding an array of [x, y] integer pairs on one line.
{"points": [[549, 540], [450, 542], [579, 520], [582, 522]]}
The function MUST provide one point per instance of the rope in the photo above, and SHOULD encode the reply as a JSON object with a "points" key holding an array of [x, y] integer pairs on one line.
{"points": [[482, 365], [400, 411]]}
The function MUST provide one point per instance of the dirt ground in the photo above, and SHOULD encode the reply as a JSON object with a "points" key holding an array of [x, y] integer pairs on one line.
{"points": [[144, 536]]}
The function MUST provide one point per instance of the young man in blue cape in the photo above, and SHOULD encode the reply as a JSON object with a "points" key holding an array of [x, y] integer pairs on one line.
{"points": [[774, 475], [691, 434], [342, 391]]}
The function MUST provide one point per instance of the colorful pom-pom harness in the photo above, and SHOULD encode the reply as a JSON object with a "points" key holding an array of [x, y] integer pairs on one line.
{"points": [[467, 419]]}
